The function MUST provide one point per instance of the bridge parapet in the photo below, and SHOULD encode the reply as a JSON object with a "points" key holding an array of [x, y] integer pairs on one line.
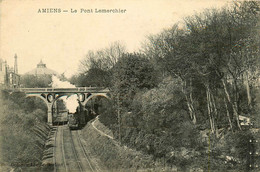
{"points": [[63, 90]]}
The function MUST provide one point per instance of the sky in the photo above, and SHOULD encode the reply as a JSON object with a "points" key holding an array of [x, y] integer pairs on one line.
{"points": [[61, 40]]}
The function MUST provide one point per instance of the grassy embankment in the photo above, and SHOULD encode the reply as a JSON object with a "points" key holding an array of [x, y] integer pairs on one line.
{"points": [[23, 132]]}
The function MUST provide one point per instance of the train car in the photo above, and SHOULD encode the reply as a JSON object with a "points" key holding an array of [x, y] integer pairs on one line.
{"points": [[61, 118], [72, 121]]}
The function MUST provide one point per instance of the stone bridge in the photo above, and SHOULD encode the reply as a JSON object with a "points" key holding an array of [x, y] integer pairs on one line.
{"points": [[51, 95]]}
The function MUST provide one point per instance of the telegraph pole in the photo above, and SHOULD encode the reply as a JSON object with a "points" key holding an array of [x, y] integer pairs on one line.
{"points": [[119, 118]]}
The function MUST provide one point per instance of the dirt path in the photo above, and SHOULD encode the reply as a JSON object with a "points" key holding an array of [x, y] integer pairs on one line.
{"points": [[101, 132]]}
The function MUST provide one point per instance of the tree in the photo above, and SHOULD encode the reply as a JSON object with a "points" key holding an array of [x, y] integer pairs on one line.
{"points": [[131, 73], [95, 68], [32, 81], [103, 59], [203, 55], [94, 77]]}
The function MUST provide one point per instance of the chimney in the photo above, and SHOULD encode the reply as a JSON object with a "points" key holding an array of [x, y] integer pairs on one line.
{"points": [[15, 64]]}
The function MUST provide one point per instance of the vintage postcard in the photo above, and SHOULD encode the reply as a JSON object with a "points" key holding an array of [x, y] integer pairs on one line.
{"points": [[129, 85]]}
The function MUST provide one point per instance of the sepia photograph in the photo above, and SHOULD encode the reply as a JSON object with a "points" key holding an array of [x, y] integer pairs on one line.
{"points": [[130, 86]]}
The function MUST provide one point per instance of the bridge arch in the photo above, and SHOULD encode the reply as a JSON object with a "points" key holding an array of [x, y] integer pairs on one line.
{"points": [[49, 103], [95, 95], [38, 96]]}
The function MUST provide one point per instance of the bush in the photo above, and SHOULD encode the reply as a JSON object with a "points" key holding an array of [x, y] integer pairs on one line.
{"points": [[232, 151], [20, 145], [108, 115]]}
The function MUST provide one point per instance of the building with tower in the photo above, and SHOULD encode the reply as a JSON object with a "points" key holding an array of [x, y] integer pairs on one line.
{"points": [[9, 77], [39, 77], [3, 72]]}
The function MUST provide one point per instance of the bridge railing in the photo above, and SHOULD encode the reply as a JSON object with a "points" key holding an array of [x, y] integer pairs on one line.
{"points": [[77, 89]]}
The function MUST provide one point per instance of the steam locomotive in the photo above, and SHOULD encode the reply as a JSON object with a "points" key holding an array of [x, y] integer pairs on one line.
{"points": [[73, 121]]}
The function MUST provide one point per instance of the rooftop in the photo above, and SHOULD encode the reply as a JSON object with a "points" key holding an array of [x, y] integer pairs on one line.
{"points": [[41, 69]]}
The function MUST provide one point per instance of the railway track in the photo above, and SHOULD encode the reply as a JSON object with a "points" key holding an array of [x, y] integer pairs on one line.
{"points": [[59, 159], [63, 152], [82, 154], [70, 157], [54, 150], [95, 165], [93, 168], [70, 153], [80, 165]]}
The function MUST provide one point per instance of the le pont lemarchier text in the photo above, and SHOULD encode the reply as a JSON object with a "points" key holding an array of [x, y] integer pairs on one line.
{"points": [[81, 10]]}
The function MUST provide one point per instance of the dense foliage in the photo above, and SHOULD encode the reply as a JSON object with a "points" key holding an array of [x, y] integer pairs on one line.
{"points": [[188, 88], [32, 81], [23, 129], [95, 77], [132, 73]]}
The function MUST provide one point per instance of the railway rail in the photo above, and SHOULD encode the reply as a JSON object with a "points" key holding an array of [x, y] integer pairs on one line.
{"points": [[63, 152], [80, 165], [54, 150], [70, 153], [59, 160], [87, 158]]}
